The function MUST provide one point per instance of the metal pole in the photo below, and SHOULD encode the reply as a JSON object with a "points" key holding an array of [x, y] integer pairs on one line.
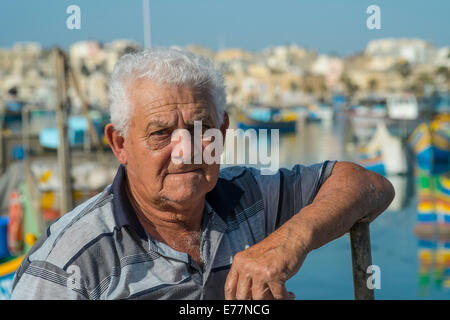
{"points": [[26, 133], [67, 202], [147, 25], [85, 109], [361, 259], [31, 186]]}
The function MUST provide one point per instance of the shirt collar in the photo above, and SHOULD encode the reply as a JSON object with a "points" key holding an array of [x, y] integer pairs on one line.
{"points": [[224, 197], [123, 211]]}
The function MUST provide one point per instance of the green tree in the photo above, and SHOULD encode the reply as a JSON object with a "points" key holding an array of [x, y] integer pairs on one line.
{"points": [[444, 72], [418, 86], [350, 87], [372, 84], [403, 68]]}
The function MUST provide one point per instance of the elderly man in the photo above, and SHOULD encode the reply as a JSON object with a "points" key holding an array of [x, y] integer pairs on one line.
{"points": [[168, 229]]}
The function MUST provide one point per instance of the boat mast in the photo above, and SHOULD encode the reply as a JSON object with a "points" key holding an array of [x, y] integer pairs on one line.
{"points": [[67, 201], [147, 26]]}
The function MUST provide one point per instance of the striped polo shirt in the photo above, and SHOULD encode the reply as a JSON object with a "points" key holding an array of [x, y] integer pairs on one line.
{"points": [[100, 250]]}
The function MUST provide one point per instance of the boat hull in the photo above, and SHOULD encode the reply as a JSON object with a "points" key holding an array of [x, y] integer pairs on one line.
{"points": [[431, 144], [245, 123]]}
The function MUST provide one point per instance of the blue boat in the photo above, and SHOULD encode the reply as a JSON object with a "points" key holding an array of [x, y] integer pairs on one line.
{"points": [[431, 144], [320, 113], [384, 153], [443, 104], [267, 118], [12, 115]]}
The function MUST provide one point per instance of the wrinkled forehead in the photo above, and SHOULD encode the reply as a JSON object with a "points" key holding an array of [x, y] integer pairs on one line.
{"points": [[165, 103]]}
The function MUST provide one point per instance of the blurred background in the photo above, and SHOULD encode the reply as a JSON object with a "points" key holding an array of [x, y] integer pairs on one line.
{"points": [[335, 88]]}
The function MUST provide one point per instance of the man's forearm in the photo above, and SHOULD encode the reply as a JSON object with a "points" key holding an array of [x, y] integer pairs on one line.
{"points": [[348, 195]]}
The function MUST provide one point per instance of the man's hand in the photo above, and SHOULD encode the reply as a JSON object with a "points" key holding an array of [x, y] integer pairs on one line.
{"points": [[261, 271]]}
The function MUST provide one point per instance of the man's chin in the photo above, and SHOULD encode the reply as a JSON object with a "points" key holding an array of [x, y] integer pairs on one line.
{"points": [[171, 202], [184, 196]]}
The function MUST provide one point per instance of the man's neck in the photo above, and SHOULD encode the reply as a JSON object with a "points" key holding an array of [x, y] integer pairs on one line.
{"points": [[179, 229]]}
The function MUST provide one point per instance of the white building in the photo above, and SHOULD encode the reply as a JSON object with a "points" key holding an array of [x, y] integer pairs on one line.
{"points": [[415, 51], [442, 57], [330, 67]]}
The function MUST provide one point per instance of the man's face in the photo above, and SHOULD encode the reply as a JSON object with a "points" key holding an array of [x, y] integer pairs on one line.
{"points": [[156, 112]]}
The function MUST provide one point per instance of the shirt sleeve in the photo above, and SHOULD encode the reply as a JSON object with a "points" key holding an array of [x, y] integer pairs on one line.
{"points": [[44, 281], [288, 191]]}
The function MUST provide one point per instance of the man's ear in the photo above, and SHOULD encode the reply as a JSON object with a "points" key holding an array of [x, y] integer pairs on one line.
{"points": [[224, 126], [116, 142]]}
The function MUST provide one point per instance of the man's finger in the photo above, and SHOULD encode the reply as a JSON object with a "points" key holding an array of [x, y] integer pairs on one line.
{"points": [[261, 291], [230, 285], [244, 288], [279, 291]]}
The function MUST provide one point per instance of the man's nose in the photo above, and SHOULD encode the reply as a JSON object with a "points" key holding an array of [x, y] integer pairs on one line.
{"points": [[187, 148]]}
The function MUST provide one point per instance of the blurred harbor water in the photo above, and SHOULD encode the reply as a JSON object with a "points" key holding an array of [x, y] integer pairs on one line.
{"points": [[327, 271]]}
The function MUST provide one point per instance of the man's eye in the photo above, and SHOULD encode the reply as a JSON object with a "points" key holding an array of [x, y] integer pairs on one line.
{"points": [[160, 132], [206, 127]]}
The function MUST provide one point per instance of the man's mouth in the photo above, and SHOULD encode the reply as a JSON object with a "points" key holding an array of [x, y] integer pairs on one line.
{"points": [[186, 171]]}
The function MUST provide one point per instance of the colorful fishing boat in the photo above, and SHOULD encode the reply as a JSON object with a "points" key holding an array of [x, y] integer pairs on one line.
{"points": [[384, 153], [433, 229], [431, 144], [255, 117], [18, 232], [434, 264], [433, 199], [8, 268]]}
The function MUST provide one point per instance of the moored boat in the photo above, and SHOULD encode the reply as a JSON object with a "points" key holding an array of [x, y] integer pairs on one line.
{"points": [[320, 113], [431, 144], [267, 118], [402, 107], [384, 153]]}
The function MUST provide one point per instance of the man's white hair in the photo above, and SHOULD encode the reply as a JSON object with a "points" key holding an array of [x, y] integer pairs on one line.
{"points": [[165, 67]]}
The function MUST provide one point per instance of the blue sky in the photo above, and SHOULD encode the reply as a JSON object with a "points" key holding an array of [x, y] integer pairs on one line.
{"points": [[337, 26]]}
